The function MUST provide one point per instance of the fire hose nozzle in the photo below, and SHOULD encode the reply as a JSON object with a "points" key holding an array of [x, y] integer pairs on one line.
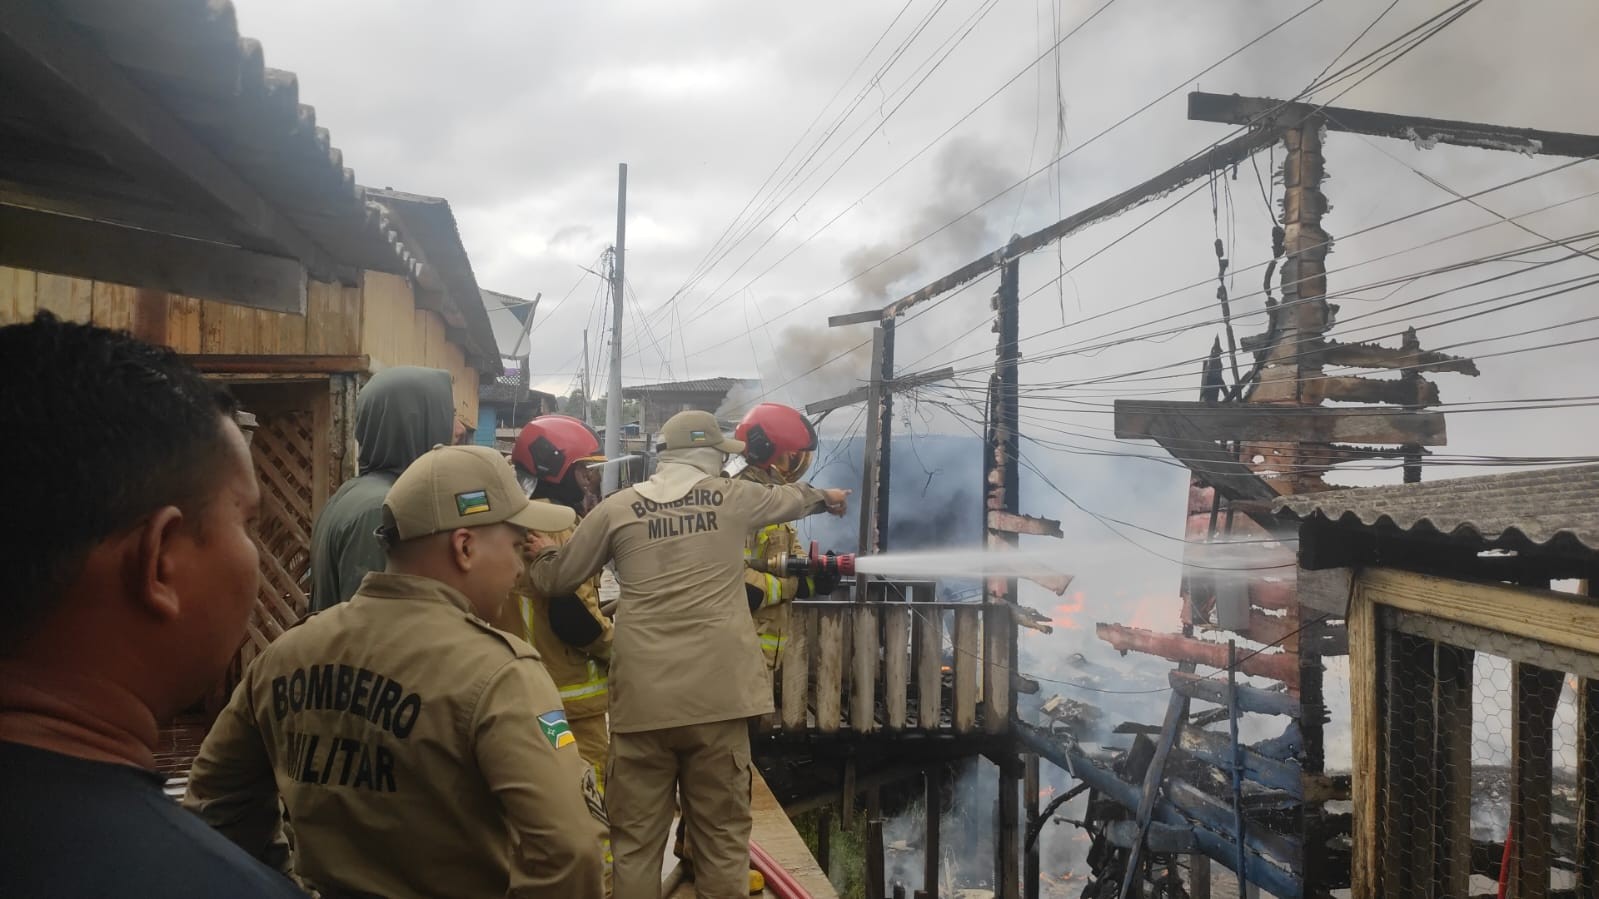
{"points": [[839, 565]]}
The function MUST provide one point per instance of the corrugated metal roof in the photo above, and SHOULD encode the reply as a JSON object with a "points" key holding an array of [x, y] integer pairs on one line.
{"points": [[189, 57], [1533, 507], [700, 385]]}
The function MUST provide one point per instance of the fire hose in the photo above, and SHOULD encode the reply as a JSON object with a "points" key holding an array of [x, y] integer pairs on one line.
{"points": [[778, 880]]}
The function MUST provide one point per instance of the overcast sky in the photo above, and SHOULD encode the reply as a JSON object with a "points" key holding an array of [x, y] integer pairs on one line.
{"points": [[518, 113]]}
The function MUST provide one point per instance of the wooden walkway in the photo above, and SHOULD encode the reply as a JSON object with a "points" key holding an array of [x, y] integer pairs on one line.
{"points": [[776, 834]]}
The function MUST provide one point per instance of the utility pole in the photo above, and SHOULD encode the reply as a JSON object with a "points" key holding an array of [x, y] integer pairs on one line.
{"points": [[587, 397], [613, 399], [885, 435], [1002, 482]]}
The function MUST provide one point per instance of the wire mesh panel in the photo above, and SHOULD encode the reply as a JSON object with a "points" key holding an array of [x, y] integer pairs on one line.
{"points": [[1486, 781]]}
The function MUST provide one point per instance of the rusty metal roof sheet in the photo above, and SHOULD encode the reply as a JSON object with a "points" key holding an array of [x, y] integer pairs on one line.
{"points": [[1531, 507], [700, 385]]}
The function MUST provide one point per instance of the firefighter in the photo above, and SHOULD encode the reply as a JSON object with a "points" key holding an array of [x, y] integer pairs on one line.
{"points": [[417, 750], [686, 672], [779, 444], [555, 458]]}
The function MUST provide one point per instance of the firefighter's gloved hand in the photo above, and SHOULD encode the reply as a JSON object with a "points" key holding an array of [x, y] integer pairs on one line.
{"points": [[571, 621], [755, 595], [823, 584]]}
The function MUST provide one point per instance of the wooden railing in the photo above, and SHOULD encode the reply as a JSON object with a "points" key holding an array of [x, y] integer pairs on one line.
{"points": [[897, 661]]}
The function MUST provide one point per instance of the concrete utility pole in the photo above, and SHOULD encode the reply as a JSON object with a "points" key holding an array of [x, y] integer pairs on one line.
{"points": [[613, 399], [587, 397]]}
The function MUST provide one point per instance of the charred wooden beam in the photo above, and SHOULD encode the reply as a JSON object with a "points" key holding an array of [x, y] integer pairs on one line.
{"points": [[1348, 388], [1012, 523], [1269, 114], [1217, 750], [1370, 355], [1215, 159], [1276, 665], [1145, 420], [899, 385], [1162, 838], [1250, 699]]}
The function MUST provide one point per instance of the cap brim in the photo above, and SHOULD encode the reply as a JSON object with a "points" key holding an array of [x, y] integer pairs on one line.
{"points": [[730, 446], [544, 517]]}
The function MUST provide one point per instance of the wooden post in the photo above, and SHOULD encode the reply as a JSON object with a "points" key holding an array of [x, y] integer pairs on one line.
{"points": [[965, 661], [846, 816], [863, 663], [1001, 486], [1535, 693], [896, 655], [1198, 876], [929, 667], [1237, 766], [796, 669], [867, 540], [1588, 776], [824, 839], [933, 797], [829, 668], [874, 858], [1007, 850], [1366, 748], [1030, 787], [884, 376], [1451, 765]]}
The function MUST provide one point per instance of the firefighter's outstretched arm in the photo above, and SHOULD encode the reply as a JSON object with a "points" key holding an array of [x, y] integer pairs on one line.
{"points": [[231, 786], [528, 757], [762, 505], [558, 570]]}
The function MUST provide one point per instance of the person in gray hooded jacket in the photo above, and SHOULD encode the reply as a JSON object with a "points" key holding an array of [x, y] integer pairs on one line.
{"points": [[401, 414]]}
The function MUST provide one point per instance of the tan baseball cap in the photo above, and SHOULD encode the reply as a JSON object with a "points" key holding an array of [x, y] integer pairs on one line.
{"points": [[688, 430], [453, 487]]}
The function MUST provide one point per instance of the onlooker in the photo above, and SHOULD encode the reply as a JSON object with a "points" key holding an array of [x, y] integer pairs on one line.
{"points": [[401, 414], [130, 575], [418, 750]]}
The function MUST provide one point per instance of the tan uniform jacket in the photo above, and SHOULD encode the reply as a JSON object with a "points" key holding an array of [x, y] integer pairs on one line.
{"points": [[772, 617], [419, 751], [580, 672], [684, 650]]}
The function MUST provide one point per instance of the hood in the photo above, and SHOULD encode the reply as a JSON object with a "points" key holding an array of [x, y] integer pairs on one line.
{"points": [[402, 413], [678, 470]]}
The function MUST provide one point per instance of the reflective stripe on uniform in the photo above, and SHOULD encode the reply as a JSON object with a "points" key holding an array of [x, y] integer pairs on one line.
{"points": [[596, 685], [774, 591], [774, 641]]}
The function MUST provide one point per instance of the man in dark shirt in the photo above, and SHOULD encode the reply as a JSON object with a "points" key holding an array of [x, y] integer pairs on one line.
{"points": [[129, 574]]}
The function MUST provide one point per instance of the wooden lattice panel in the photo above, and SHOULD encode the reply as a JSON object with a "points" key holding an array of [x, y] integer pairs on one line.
{"points": [[285, 463]]}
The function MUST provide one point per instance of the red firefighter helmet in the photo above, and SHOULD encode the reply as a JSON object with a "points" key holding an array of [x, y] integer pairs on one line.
{"points": [[778, 439], [550, 445]]}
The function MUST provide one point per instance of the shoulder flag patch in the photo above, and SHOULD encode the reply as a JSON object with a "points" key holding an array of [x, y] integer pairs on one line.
{"points": [[471, 502], [556, 730]]}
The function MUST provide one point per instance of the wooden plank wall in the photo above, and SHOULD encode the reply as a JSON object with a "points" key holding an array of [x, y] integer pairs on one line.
{"points": [[395, 332], [330, 327], [379, 319]]}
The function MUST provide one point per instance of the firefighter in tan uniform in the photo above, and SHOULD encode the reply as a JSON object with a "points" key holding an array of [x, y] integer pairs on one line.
{"points": [[686, 672], [779, 444], [417, 750], [555, 458]]}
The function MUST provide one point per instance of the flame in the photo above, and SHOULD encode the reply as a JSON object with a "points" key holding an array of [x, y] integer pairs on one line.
{"points": [[1144, 612], [1065, 612], [1048, 792]]}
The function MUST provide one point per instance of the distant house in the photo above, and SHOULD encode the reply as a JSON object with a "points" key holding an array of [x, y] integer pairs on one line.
{"points": [[662, 401], [506, 403]]}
